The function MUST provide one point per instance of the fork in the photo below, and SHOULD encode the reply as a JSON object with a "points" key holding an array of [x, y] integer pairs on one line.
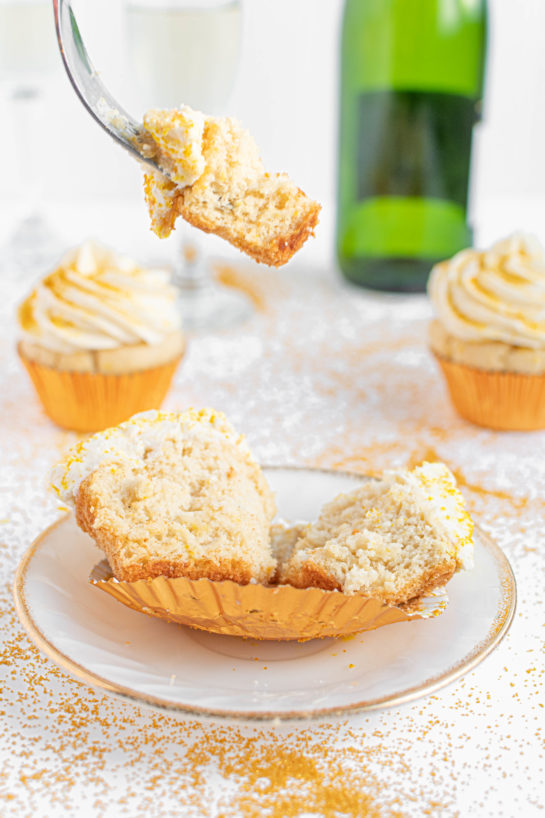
{"points": [[92, 93]]}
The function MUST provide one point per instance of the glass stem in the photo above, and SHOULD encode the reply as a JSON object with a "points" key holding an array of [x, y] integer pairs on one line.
{"points": [[28, 119], [191, 272]]}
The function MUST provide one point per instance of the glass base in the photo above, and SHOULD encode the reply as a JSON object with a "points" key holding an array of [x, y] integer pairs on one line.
{"points": [[211, 306], [31, 249], [408, 275]]}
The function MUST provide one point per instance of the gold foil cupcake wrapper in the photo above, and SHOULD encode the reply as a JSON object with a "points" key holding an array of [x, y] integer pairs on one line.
{"points": [[496, 400], [279, 612], [89, 401]]}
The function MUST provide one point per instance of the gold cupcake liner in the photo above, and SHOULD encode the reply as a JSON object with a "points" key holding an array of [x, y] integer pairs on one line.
{"points": [[260, 611], [497, 400], [89, 401]]}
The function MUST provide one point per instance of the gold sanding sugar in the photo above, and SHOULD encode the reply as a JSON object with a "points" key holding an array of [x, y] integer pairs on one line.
{"points": [[246, 282], [275, 781], [361, 393]]}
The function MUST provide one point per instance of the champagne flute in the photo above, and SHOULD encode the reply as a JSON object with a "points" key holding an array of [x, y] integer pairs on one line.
{"points": [[28, 60], [186, 51]]}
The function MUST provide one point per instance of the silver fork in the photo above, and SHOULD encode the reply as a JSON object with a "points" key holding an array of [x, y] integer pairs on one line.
{"points": [[94, 96]]}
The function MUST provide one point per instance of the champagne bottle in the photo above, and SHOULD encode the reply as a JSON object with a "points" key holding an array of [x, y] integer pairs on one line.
{"points": [[411, 92]]}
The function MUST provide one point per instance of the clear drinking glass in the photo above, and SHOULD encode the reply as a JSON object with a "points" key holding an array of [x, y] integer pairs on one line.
{"points": [[28, 61], [187, 52]]}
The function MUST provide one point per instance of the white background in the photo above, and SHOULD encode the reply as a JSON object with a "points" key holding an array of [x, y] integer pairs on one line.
{"points": [[286, 93], [470, 735]]}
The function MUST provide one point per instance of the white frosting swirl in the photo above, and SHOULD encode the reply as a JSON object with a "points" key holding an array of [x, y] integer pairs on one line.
{"points": [[493, 295], [97, 299], [178, 137]]}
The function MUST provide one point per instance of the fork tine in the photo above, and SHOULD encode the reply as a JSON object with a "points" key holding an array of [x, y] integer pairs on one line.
{"points": [[94, 96]]}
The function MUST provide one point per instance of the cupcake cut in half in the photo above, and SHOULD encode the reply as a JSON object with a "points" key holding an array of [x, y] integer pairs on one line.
{"points": [[172, 494], [393, 539], [179, 495]]}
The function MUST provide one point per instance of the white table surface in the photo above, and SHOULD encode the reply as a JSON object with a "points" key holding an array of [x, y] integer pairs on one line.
{"points": [[322, 375]]}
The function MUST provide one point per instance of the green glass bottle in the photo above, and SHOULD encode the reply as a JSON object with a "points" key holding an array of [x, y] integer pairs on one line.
{"points": [[411, 92]]}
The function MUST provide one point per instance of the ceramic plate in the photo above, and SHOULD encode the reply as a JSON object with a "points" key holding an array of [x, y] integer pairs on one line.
{"points": [[131, 655]]}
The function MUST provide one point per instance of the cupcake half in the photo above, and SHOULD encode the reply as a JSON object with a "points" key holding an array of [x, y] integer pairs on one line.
{"points": [[172, 494], [100, 339], [489, 333]]}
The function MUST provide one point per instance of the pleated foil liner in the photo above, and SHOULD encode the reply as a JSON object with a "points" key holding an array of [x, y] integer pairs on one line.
{"points": [[279, 612], [90, 401], [496, 400]]}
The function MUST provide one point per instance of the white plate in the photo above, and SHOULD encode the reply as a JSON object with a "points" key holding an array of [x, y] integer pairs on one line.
{"points": [[152, 662]]}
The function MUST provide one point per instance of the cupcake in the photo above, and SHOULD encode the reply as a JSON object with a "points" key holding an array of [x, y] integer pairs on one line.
{"points": [[174, 494], [100, 338], [183, 514], [489, 333], [396, 538]]}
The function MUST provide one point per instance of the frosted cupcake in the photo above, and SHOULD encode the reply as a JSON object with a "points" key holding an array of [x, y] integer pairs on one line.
{"points": [[489, 334], [100, 338]]}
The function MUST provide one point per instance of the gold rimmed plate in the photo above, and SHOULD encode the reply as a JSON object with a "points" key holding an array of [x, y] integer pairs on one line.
{"points": [[164, 665]]}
